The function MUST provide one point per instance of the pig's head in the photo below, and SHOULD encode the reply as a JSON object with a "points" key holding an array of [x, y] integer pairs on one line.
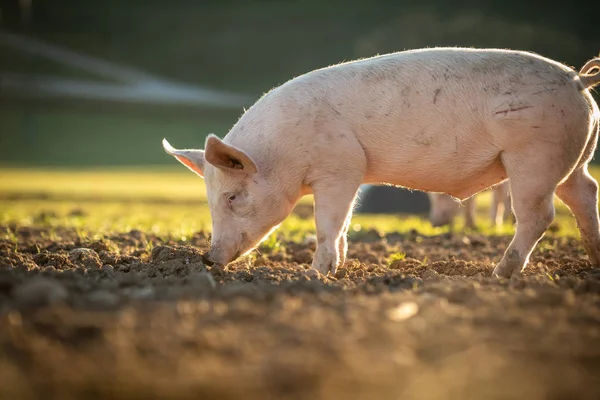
{"points": [[443, 209], [244, 206]]}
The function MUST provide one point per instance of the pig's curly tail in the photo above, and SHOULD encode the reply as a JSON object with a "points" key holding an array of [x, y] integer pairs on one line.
{"points": [[587, 79]]}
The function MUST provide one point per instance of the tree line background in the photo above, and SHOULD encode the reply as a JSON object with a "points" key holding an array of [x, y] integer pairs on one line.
{"points": [[241, 46]]}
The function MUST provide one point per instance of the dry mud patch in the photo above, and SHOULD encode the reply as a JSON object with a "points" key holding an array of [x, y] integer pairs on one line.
{"points": [[134, 316]]}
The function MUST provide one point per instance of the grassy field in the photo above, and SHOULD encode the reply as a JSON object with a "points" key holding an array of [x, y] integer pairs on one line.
{"points": [[171, 201]]}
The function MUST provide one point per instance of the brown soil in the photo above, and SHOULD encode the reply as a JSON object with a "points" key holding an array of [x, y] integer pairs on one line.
{"points": [[132, 316]]}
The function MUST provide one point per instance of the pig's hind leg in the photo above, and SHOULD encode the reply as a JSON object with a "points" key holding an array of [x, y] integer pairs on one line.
{"points": [[580, 194], [533, 181]]}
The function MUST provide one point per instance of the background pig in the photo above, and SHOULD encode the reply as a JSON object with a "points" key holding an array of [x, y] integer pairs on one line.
{"points": [[449, 120], [501, 209], [444, 208]]}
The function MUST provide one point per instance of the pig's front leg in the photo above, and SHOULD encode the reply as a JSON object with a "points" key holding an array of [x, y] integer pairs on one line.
{"points": [[333, 210]]}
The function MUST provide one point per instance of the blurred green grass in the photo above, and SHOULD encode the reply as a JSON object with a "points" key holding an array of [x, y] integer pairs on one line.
{"points": [[87, 135], [98, 185], [171, 202]]}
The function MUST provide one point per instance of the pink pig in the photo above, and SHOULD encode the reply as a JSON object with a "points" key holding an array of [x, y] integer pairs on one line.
{"points": [[446, 120]]}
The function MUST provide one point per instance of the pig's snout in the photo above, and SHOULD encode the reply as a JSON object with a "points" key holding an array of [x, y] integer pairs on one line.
{"points": [[214, 256], [206, 259]]}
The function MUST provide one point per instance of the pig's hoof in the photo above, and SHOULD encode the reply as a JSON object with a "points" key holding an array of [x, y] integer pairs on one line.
{"points": [[511, 265], [332, 269], [507, 270], [325, 263], [312, 273], [326, 268], [501, 273]]}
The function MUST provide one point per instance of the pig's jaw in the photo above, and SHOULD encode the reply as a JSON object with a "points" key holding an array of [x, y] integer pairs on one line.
{"points": [[216, 254]]}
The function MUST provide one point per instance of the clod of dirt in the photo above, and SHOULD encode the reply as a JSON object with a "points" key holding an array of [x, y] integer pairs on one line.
{"points": [[166, 253], [56, 260], [17, 260], [312, 273], [430, 274], [109, 258], [39, 292], [87, 258], [341, 273], [261, 261], [103, 245], [407, 264]]}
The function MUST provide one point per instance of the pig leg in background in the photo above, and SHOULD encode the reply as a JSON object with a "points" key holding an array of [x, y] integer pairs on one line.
{"points": [[443, 209], [494, 215], [508, 215], [580, 194], [501, 208], [333, 209], [470, 212]]}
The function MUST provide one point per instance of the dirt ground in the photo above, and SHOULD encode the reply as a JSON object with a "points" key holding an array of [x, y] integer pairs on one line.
{"points": [[134, 317]]}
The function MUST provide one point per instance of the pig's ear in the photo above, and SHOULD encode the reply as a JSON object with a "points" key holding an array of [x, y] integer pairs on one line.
{"points": [[193, 159], [227, 157]]}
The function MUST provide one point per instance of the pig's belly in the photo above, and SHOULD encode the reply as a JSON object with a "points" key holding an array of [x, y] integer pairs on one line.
{"points": [[434, 168]]}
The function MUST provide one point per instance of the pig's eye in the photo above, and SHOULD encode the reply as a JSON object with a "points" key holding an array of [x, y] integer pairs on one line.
{"points": [[231, 198]]}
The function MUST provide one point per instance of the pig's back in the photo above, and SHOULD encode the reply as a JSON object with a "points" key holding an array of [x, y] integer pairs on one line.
{"points": [[418, 115], [429, 110]]}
